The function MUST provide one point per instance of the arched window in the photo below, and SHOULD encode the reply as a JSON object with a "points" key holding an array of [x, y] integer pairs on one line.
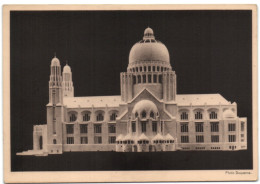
{"points": [[113, 116], [198, 115], [143, 114], [73, 117], [213, 115], [184, 115], [86, 117], [136, 114], [100, 117], [54, 141], [152, 114]]}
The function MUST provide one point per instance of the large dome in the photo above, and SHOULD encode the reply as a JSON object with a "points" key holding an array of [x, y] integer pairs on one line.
{"points": [[149, 49]]}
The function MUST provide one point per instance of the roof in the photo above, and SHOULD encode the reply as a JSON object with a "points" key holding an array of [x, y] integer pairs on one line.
{"points": [[95, 101], [200, 99], [158, 137], [143, 137], [128, 137], [168, 137]]}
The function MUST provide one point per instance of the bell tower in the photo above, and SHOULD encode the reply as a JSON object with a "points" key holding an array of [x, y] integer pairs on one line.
{"points": [[55, 108], [67, 84]]}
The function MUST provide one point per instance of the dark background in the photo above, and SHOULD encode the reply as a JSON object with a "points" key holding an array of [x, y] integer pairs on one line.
{"points": [[210, 51]]}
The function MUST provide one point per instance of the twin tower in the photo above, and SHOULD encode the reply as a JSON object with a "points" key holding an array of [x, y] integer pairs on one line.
{"points": [[60, 85]]}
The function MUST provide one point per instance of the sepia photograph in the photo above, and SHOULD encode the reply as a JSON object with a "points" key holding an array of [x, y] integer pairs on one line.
{"points": [[130, 93]]}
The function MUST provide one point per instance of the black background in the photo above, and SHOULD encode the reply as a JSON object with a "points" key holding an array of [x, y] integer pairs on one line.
{"points": [[211, 52]]}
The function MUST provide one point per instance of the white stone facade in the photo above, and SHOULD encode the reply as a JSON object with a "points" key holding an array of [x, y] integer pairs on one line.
{"points": [[148, 116]]}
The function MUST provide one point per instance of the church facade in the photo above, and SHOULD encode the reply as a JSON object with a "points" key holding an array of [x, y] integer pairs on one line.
{"points": [[148, 116]]}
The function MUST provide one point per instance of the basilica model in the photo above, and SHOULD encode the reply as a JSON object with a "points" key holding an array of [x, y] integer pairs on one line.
{"points": [[149, 115]]}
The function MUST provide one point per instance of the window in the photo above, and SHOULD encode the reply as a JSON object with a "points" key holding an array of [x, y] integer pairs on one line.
{"points": [[143, 142], [86, 117], [214, 138], [143, 114], [184, 127], [98, 128], [70, 129], [231, 138], [154, 126], [213, 115], [136, 69], [231, 127], [139, 79], [158, 68], [136, 114], [154, 68], [198, 115], [113, 117], [144, 78], [141, 69], [214, 126], [133, 127], [70, 140], [199, 127], [160, 78], [184, 115], [149, 68], [242, 126], [112, 140], [149, 78], [134, 79], [184, 139], [83, 140], [152, 114], [145, 68], [54, 141], [199, 138], [83, 128], [72, 117], [112, 128], [143, 124], [97, 140], [100, 117], [155, 78]]}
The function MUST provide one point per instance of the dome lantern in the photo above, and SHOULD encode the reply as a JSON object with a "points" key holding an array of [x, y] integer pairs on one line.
{"points": [[148, 33]]}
